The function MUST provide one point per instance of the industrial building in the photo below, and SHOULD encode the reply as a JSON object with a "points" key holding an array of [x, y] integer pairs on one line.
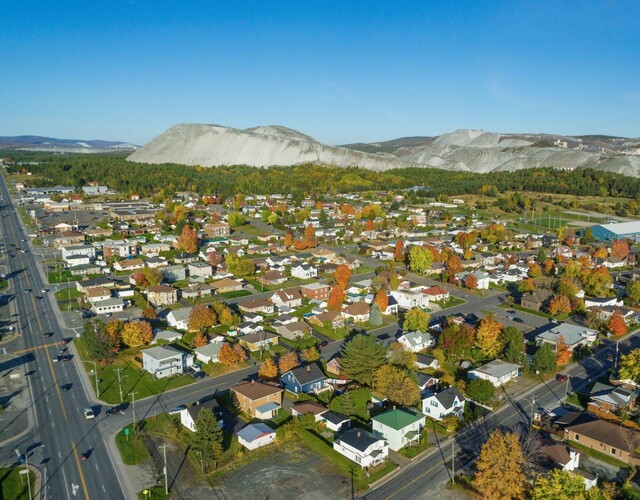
{"points": [[617, 231]]}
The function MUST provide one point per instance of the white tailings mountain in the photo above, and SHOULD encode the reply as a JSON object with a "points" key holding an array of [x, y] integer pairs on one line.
{"points": [[465, 150]]}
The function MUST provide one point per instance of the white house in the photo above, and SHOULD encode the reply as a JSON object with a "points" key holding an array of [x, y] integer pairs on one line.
{"points": [[410, 298], [166, 336], [163, 361], [497, 372], [179, 318], [304, 271], [254, 436], [208, 353], [108, 306], [444, 403], [417, 340], [188, 416], [399, 427], [362, 447], [481, 277]]}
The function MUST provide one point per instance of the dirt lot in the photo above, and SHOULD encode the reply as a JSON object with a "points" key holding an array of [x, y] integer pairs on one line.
{"points": [[286, 473]]}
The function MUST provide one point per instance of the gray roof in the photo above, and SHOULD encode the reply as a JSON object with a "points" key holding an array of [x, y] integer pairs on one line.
{"points": [[447, 397], [181, 314], [308, 373], [571, 334], [497, 368], [252, 432], [162, 352], [211, 349], [618, 396], [359, 439], [334, 417]]}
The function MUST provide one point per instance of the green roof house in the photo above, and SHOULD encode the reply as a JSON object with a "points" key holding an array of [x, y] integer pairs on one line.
{"points": [[400, 427]]}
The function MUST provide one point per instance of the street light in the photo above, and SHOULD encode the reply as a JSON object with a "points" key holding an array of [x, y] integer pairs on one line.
{"points": [[95, 371]]}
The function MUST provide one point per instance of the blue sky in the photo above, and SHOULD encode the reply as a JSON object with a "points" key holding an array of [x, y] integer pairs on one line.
{"points": [[343, 71]]}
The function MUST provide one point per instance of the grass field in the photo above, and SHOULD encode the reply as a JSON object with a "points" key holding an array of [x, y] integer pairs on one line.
{"points": [[235, 294], [13, 486], [132, 449]]}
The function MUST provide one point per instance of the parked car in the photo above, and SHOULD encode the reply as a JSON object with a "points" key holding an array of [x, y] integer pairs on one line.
{"points": [[518, 320], [324, 343], [199, 375], [88, 413]]}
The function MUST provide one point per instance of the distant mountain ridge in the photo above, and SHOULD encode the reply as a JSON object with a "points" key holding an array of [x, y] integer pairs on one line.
{"points": [[464, 150], [50, 144]]}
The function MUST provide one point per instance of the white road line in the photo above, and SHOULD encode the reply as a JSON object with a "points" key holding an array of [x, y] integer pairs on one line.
{"points": [[64, 476], [53, 425], [44, 488], [49, 411], [59, 455], [96, 466], [33, 403], [103, 488]]}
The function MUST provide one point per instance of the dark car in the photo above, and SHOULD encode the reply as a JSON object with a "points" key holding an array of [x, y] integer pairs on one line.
{"points": [[65, 341], [114, 410], [561, 377], [199, 375], [324, 343], [47, 335], [65, 387], [68, 357], [518, 320]]}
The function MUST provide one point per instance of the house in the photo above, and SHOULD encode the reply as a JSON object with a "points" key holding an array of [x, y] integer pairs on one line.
{"points": [[306, 379], [108, 306], [258, 399], [427, 383], [608, 438], [609, 399], [309, 407], [316, 291], [362, 447], [333, 366], [572, 335], [202, 269], [482, 278], [174, 273], [163, 361], [254, 436], [179, 318], [294, 330], [97, 294], [290, 298], [497, 372], [189, 416], [129, 265], [257, 306], [249, 327], [303, 271], [272, 278], [100, 281], [208, 353], [595, 302], [186, 258], [436, 293], [197, 290], [567, 459], [358, 311], [162, 295], [400, 427], [332, 318], [536, 300], [444, 403], [226, 285], [166, 336], [260, 340], [76, 250], [217, 230], [410, 298], [424, 361], [417, 340], [336, 422]]}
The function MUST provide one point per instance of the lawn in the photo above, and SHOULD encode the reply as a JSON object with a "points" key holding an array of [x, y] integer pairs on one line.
{"points": [[360, 398], [235, 294], [600, 456], [300, 344], [335, 334], [452, 301], [13, 486], [68, 294], [132, 449], [413, 451], [436, 426], [3, 284], [217, 369], [155, 493], [56, 277]]}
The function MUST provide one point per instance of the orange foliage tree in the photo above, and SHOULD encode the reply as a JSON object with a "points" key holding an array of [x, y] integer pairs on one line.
{"points": [[488, 336], [336, 299], [137, 333], [549, 267], [201, 339], [201, 317], [342, 276], [114, 330], [601, 253], [268, 369], [310, 236], [188, 240], [471, 282], [563, 354], [288, 362], [382, 299], [454, 266], [559, 304], [535, 271], [288, 239], [230, 355], [398, 252], [617, 324], [620, 248]]}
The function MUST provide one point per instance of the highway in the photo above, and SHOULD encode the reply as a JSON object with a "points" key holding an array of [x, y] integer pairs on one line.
{"points": [[60, 434]]}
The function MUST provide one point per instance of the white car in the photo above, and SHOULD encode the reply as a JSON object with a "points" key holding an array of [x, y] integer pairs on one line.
{"points": [[88, 413]]}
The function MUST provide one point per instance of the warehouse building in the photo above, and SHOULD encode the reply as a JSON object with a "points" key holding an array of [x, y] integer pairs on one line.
{"points": [[619, 231]]}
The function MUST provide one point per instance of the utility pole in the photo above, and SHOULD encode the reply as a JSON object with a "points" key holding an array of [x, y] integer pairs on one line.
{"points": [[95, 371], [453, 462], [133, 402], [615, 359], [118, 370], [566, 389], [166, 479], [533, 406]]}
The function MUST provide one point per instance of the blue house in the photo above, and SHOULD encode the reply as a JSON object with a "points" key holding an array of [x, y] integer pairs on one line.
{"points": [[307, 379]]}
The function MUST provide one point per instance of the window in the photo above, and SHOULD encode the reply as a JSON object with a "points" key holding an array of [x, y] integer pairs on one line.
{"points": [[576, 437], [433, 403], [613, 451]]}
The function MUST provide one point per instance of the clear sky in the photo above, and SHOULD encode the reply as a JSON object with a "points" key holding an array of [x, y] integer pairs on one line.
{"points": [[341, 71]]}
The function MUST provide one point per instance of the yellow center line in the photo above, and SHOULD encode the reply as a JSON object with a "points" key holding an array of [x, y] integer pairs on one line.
{"points": [[84, 484], [55, 381], [35, 309], [412, 481]]}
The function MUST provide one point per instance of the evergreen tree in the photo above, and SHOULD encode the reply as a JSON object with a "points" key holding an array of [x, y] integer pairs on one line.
{"points": [[544, 360], [208, 437], [361, 357], [347, 404], [375, 317]]}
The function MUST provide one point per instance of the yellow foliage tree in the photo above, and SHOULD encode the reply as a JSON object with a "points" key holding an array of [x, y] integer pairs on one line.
{"points": [[488, 336], [500, 467], [137, 333], [268, 369]]}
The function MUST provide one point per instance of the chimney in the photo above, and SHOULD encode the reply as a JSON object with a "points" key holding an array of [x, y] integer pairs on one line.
{"points": [[358, 434], [394, 407], [308, 368], [253, 381]]}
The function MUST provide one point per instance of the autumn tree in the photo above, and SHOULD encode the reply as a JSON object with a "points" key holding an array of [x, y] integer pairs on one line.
{"points": [[563, 354], [527, 285], [620, 249], [229, 356], [236, 219], [456, 339], [535, 271], [188, 240], [137, 333], [149, 313], [398, 251], [342, 276], [453, 266], [361, 357], [397, 385], [399, 355], [549, 267], [153, 275], [288, 362], [559, 484], [617, 324], [500, 467], [596, 282], [567, 287], [114, 329], [630, 366], [336, 298], [559, 304], [382, 299], [201, 339], [600, 252], [633, 290], [288, 239], [310, 354], [201, 317], [471, 282], [488, 336], [214, 258], [310, 236], [268, 369], [420, 259], [416, 319]]}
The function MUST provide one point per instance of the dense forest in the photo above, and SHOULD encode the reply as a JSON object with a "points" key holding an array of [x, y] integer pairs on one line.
{"points": [[127, 177]]}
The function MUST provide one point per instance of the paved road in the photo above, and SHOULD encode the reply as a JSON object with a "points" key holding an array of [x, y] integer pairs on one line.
{"points": [[58, 416], [422, 476]]}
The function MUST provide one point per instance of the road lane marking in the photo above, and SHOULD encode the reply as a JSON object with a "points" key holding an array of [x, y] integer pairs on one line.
{"points": [[84, 484], [33, 403], [55, 381], [49, 411], [53, 425], [64, 476]]}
